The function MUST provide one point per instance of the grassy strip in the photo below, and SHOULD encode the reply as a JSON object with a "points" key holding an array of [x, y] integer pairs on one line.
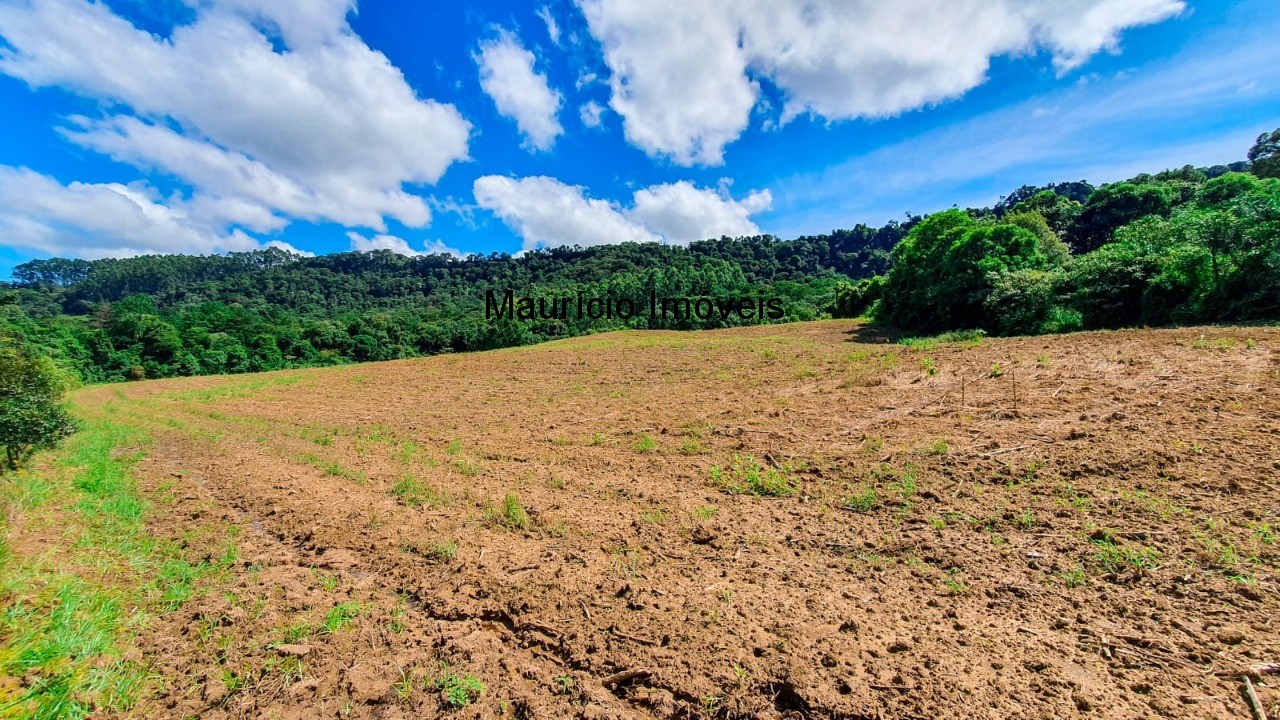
{"points": [[80, 575]]}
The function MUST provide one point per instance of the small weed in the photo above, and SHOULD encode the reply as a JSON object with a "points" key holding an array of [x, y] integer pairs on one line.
{"points": [[457, 691], [298, 632], [955, 586], [861, 502], [902, 483], [413, 492], [1110, 557], [511, 515], [328, 582], [995, 371], [645, 444], [404, 687], [937, 447], [704, 512], [653, 516], [928, 366], [1073, 578], [443, 551], [1266, 533], [340, 616], [748, 477]]}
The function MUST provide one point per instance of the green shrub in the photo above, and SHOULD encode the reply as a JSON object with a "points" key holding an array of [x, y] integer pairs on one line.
{"points": [[31, 388]]}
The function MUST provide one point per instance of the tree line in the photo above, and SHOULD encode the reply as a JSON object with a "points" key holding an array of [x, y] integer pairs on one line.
{"points": [[169, 315], [1189, 245], [1180, 246]]}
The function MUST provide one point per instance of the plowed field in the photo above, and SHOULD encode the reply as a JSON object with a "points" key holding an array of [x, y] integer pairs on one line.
{"points": [[794, 521]]}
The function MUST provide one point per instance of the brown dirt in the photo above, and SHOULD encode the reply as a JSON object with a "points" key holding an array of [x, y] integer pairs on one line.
{"points": [[1105, 545]]}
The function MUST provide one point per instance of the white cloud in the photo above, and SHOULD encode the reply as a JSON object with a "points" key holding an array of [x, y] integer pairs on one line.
{"points": [[682, 213], [1189, 109], [546, 213], [678, 75], [327, 130], [683, 73], [95, 220], [400, 246], [553, 29], [282, 245], [591, 112], [521, 94]]}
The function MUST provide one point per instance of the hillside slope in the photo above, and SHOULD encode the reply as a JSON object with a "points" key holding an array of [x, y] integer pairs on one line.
{"points": [[1017, 528]]}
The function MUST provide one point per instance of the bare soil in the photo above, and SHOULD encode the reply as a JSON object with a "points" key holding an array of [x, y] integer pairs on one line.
{"points": [[1083, 525]]}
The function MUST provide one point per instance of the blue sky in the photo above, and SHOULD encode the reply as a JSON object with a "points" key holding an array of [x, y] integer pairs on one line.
{"points": [[199, 126]]}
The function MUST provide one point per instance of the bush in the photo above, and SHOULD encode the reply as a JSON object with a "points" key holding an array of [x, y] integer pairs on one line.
{"points": [[31, 388], [943, 271], [1021, 301], [855, 300]]}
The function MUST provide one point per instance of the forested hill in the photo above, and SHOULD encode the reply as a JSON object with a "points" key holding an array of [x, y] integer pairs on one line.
{"points": [[1186, 245], [164, 315]]}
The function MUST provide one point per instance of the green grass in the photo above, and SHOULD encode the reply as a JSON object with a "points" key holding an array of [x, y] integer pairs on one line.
{"points": [[443, 551], [457, 690], [510, 515], [1111, 557], [746, 476], [340, 616], [67, 615], [964, 338], [861, 502], [903, 483], [645, 444], [414, 492], [704, 512]]}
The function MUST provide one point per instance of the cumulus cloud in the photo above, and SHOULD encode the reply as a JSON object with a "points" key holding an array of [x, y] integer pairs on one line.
{"points": [[682, 213], [400, 246], [324, 128], [521, 94], [684, 74], [546, 213], [95, 220]]}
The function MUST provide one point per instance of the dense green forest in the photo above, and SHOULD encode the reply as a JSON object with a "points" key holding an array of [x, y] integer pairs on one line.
{"points": [[160, 316], [1187, 245]]}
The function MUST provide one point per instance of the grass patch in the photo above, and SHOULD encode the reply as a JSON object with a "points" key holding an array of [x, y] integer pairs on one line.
{"points": [[340, 616], [510, 515], [413, 492], [746, 476], [645, 444], [67, 615], [1112, 557], [861, 502]]}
